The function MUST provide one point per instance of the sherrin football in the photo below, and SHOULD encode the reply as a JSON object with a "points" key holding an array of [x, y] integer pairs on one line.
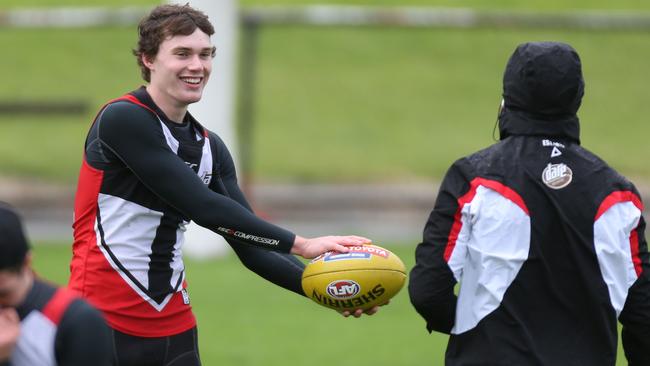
{"points": [[366, 276]]}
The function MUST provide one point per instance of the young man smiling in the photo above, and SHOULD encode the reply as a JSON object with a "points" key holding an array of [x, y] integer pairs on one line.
{"points": [[149, 168]]}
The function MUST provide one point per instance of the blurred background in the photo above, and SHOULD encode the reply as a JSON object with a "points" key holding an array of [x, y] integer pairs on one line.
{"points": [[348, 115]]}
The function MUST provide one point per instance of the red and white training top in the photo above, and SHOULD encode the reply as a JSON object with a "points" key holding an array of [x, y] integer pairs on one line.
{"points": [[142, 180], [59, 328]]}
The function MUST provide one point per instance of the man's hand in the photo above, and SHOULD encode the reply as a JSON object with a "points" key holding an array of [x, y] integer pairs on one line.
{"points": [[9, 332], [310, 248], [357, 313]]}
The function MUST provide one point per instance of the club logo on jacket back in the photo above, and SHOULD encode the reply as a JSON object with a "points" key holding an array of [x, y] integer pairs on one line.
{"points": [[557, 176]]}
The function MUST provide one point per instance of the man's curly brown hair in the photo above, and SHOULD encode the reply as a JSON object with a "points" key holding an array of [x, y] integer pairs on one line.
{"points": [[163, 22]]}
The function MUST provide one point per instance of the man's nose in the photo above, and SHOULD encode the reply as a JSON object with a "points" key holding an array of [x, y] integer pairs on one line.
{"points": [[195, 63]]}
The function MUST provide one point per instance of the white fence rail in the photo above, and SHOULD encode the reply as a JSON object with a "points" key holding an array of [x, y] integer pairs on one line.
{"points": [[323, 15]]}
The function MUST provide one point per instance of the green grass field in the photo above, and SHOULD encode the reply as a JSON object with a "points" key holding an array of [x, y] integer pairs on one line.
{"points": [[388, 104], [336, 104], [245, 321]]}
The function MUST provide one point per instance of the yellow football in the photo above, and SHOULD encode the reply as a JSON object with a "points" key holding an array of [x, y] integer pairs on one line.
{"points": [[366, 276]]}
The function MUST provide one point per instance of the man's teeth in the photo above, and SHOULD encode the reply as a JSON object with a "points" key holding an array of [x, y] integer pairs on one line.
{"points": [[191, 80]]}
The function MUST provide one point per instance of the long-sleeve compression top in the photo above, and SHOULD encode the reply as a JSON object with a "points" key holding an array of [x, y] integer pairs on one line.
{"points": [[143, 179]]}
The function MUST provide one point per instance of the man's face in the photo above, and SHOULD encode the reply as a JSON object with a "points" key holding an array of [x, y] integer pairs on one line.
{"points": [[182, 67], [12, 287]]}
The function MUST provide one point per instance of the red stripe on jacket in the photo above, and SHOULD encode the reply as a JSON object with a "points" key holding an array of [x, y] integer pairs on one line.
{"points": [[619, 197], [498, 187]]}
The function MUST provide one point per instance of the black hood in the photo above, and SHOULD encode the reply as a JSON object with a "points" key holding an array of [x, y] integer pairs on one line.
{"points": [[542, 91], [13, 244]]}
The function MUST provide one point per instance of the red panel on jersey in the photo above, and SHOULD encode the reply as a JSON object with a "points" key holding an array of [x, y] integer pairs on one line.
{"points": [[85, 214], [127, 311], [58, 304]]}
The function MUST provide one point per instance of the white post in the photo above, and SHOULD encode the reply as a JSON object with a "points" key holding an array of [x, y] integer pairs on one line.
{"points": [[216, 109]]}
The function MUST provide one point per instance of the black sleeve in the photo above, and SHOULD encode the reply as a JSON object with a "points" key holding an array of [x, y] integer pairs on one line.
{"points": [[431, 281], [635, 316], [82, 338], [135, 136], [282, 269]]}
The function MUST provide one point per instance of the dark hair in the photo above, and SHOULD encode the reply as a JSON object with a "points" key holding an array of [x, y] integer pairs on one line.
{"points": [[13, 244], [163, 22]]}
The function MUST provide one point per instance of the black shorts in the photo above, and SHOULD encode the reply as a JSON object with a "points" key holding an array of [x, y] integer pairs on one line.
{"points": [[177, 350]]}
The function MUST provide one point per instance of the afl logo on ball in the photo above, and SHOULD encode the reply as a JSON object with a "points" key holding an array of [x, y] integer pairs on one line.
{"points": [[557, 176], [343, 289]]}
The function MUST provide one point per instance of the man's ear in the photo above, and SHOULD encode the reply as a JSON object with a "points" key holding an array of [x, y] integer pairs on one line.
{"points": [[147, 61]]}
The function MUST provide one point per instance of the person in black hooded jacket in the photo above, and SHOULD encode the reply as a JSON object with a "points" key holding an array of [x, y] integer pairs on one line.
{"points": [[545, 239]]}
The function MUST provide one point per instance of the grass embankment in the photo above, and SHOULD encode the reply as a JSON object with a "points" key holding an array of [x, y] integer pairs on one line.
{"points": [[335, 104]]}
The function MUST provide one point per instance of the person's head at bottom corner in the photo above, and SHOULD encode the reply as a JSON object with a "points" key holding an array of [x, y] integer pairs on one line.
{"points": [[15, 258]]}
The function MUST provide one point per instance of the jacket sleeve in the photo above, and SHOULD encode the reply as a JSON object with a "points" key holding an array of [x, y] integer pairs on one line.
{"points": [[282, 269], [635, 316], [431, 284], [135, 137], [83, 338]]}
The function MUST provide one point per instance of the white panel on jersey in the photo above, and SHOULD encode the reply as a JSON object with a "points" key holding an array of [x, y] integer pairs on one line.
{"points": [[36, 341], [177, 265], [171, 141], [612, 242], [492, 246], [205, 167], [129, 230]]}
